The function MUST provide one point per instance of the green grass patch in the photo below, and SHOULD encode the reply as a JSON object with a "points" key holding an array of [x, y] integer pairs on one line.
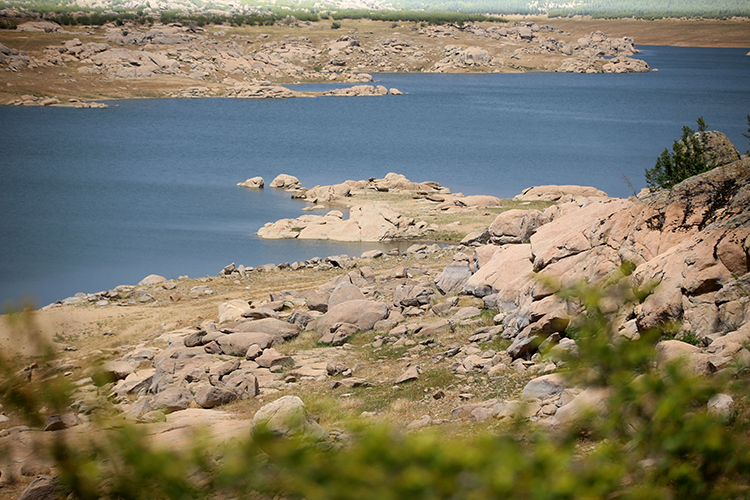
{"points": [[380, 397]]}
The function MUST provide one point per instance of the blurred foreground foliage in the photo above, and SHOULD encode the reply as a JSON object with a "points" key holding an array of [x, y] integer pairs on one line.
{"points": [[656, 441]]}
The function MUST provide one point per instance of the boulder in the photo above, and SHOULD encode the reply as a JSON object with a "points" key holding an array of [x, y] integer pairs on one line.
{"points": [[515, 226], [570, 235], [339, 333], [413, 295], [719, 149], [237, 344], [201, 291], [173, 399], [58, 422], [317, 300], [505, 266], [373, 222], [117, 370], [39, 26], [465, 313], [272, 326], [721, 405], [624, 64], [233, 310], [411, 373], [454, 276], [208, 396], [287, 417], [544, 387], [358, 90], [344, 292], [253, 183], [272, 359], [423, 421], [592, 402], [688, 356], [362, 313], [285, 181], [43, 488], [320, 194], [152, 279], [243, 382]]}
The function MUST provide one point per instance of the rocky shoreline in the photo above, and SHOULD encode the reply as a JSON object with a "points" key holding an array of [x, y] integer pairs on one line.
{"points": [[186, 61], [467, 334]]}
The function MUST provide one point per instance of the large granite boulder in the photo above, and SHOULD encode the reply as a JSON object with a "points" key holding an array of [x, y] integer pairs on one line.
{"points": [[287, 417], [253, 183], [344, 292], [274, 327], [515, 226], [455, 275], [362, 313], [285, 181], [505, 266]]}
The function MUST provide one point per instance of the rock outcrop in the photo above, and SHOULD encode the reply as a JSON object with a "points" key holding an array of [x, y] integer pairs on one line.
{"points": [[256, 66], [253, 183], [371, 222], [691, 241]]}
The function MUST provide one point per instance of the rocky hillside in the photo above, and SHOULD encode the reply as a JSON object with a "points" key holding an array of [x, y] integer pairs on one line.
{"points": [[460, 338], [188, 61]]}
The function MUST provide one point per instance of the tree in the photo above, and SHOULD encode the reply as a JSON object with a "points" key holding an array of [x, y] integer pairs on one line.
{"points": [[688, 158]]}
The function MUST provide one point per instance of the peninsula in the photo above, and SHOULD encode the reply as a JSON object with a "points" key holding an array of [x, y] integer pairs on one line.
{"points": [[47, 64]]}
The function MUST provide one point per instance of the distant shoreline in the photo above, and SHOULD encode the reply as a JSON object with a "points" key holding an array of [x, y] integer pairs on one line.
{"points": [[707, 33], [75, 66]]}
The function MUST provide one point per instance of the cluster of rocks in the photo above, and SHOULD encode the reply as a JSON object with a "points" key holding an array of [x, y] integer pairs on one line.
{"points": [[691, 240], [597, 53], [384, 55], [469, 57], [40, 27], [236, 356], [588, 55], [598, 44], [31, 100], [373, 221], [239, 65], [14, 59], [178, 50], [263, 90], [618, 64]]}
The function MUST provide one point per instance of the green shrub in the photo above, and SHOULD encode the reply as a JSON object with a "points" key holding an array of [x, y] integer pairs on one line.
{"points": [[688, 158], [335, 25]]}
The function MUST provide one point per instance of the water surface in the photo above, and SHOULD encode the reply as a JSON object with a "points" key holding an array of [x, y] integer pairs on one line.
{"points": [[91, 199]]}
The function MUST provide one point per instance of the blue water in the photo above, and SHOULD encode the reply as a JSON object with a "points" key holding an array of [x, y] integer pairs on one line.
{"points": [[91, 199]]}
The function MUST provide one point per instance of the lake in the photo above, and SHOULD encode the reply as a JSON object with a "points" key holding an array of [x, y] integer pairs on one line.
{"points": [[91, 199]]}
